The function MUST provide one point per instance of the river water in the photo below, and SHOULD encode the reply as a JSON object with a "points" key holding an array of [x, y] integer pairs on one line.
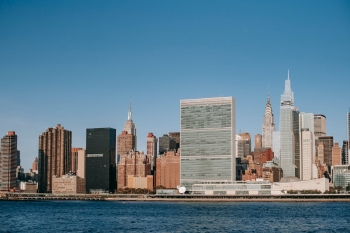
{"points": [[104, 216]]}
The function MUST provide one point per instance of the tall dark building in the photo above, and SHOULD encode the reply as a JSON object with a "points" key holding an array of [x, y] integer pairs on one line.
{"points": [[166, 143], [296, 131], [327, 145], [176, 136], [100, 160], [55, 150], [8, 161], [345, 153]]}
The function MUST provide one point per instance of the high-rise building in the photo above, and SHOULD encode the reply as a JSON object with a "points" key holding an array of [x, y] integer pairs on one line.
{"points": [[307, 145], [244, 145], [55, 150], [81, 163], [152, 149], [345, 153], [276, 145], [168, 170], [320, 125], [268, 126], [130, 127], [336, 154], [258, 141], [296, 141], [207, 140], [100, 160], [166, 143], [325, 143], [135, 164], [176, 136], [307, 150], [127, 140], [74, 163], [35, 164], [8, 161], [287, 144]]}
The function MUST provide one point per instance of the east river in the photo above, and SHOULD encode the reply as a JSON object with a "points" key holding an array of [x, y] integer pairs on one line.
{"points": [[109, 216]]}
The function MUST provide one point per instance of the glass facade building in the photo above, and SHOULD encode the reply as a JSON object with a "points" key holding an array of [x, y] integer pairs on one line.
{"points": [[207, 140], [100, 160]]}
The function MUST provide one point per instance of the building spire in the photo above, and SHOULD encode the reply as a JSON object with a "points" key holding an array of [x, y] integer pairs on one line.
{"points": [[130, 113], [268, 94], [288, 74]]}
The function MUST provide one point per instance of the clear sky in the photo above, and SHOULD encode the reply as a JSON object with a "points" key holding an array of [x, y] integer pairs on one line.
{"points": [[77, 63]]}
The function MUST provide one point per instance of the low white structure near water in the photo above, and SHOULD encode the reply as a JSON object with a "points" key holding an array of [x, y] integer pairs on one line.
{"points": [[259, 187]]}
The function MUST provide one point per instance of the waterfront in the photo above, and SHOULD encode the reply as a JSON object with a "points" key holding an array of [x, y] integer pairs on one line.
{"points": [[102, 216]]}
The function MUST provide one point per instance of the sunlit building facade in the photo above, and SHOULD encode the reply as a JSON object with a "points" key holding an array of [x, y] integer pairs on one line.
{"points": [[207, 140]]}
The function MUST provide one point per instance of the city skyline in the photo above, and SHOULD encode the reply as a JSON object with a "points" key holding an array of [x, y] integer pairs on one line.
{"points": [[79, 64]]}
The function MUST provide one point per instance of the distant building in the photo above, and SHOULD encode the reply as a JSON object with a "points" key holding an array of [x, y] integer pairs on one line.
{"points": [[74, 163], [320, 125], [168, 170], [152, 149], [35, 164], [28, 187], [324, 149], [307, 145], [133, 164], [8, 161], [258, 141], [336, 154], [166, 143], [276, 145], [81, 163], [261, 155], [341, 175], [55, 150], [271, 172], [100, 160], [208, 129], [243, 144], [241, 167], [68, 184], [287, 142], [130, 126], [126, 143], [345, 153], [138, 182], [268, 126], [176, 136]]}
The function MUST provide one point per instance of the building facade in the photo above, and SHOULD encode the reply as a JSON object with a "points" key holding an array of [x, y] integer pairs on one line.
{"points": [[336, 154], [207, 140], [320, 125], [133, 164], [168, 170], [55, 150], [345, 153], [8, 161], [152, 149], [74, 163], [324, 149], [68, 184], [166, 143], [100, 170], [243, 145], [258, 141], [287, 143], [268, 126]]}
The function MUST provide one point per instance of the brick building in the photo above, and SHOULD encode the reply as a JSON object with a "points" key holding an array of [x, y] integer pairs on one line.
{"points": [[168, 170], [134, 163]]}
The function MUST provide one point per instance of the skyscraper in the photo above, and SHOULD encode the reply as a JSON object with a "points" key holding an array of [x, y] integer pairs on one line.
{"points": [[152, 149], [307, 146], [319, 125], [74, 162], [166, 143], [8, 161], [55, 150], [287, 145], [207, 140], [258, 141], [100, 164], [296, 141], [244, 145], [127, 140], [268, 126]]}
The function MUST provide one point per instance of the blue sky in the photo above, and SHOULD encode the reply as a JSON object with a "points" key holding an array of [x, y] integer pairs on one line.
{"points": [[77, 63]]}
